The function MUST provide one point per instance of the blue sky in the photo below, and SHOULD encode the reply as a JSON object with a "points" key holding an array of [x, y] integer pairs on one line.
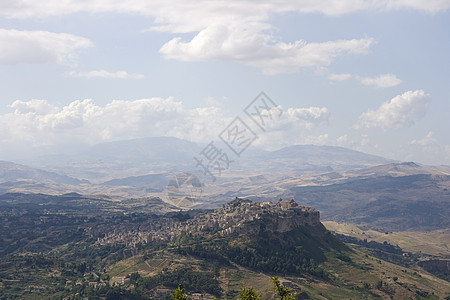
{"points": [[367, 75]]}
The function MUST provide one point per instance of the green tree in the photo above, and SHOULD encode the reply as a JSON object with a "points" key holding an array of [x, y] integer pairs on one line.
{"points": [[134, 277], [249, 294], [179, 293], [283, 291]]}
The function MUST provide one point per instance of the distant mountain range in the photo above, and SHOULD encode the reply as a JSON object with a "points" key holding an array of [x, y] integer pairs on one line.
{"points": [[386, 203], [131, 158], [345, 185], [124, 162], [310, 158], [10, 172], [119, 159]]}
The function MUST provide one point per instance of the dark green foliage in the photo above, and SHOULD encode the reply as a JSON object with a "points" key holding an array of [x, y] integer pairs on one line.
{"points": [[384, 251], [283, 292], [248, 294], [117, 293], [194, 281], [179, 293], [134, 277], [438, 268], [293, 252]]}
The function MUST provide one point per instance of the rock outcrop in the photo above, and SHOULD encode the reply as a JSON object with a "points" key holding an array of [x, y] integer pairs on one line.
{"points": [[239, 216]]}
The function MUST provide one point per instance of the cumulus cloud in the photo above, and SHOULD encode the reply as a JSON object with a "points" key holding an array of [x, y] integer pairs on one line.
{"points": [[237, 30], [105, 74], [251, 46], [430, 150], [225, 30], [301, 125], [426, 141], [39, 47], [35, 106], [309, 117], [342, 140], [176, 8], [402, 110], [83, 122], [299, 118], [381, 81], [231, 30]]}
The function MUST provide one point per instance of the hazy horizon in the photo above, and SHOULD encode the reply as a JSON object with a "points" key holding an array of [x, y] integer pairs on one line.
{"points": [[368, 76]]}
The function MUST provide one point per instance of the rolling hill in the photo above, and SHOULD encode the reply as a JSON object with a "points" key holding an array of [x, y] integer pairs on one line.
{"points": [[10, 172], [138, 157], [387, 203]]}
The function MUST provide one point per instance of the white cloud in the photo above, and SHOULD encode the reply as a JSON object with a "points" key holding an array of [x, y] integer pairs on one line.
{"points": [[295, 126], [431, 6], [232, 30], [429, 150], [39, 47], [36, 106], [105, 74], [402, 110], [235, 30], [299, 118], [38, 123], [311, 116], [169, 10], [381, 81], [426, 141], [342, 140], [243, 43]]}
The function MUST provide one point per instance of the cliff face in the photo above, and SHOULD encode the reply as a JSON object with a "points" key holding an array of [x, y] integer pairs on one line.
{"points": [[294, 218], [244, 216], [238, 216]]}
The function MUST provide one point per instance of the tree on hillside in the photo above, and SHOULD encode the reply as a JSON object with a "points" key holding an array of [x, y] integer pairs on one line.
{"points": [[284, 293], [249, 294], [179, 293]]}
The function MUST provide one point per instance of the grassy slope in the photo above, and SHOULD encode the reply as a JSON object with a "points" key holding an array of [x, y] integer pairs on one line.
{"points": [[346, 279], [435, 243]]}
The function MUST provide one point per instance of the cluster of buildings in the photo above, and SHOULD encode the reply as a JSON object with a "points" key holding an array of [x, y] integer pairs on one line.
{"points": [[239, 215]]}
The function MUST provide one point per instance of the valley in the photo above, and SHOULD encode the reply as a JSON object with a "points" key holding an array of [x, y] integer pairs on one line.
{"points": [[329, 222]]}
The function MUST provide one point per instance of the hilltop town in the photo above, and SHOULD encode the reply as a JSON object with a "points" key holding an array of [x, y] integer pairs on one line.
{"points": [[237, 216]]}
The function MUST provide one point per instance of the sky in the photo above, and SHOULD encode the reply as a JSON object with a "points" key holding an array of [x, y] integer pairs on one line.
{"points": [[373, 76]]}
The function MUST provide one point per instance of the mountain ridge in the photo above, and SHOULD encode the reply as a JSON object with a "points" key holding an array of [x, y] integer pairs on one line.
{"points": [[10, 171]]}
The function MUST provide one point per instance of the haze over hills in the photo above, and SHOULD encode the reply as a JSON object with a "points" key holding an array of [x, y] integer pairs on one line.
{"points": [[15, 177], [128, 160], [311, 158], [413, 202], [10, 171], [120, 159], [345, 185]]}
